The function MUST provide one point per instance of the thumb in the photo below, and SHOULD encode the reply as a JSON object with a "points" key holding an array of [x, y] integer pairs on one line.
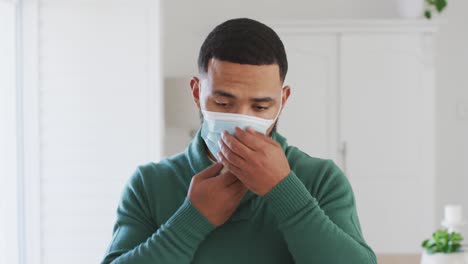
{"points": [[211, 171]]}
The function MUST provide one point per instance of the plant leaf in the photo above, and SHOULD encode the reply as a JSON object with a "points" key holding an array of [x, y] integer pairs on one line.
{"points": [[428, 14], [442, 241], [440, 5], [425, 243], [457, 237]]}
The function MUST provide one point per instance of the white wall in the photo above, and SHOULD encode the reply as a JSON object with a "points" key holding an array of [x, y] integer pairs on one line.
{"points": [[186, 24], [99, 116], [9, 232], [452, 95], [182, 119]]}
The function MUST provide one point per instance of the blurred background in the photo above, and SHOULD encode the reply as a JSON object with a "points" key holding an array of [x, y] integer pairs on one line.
{"points": [[90, 89]]}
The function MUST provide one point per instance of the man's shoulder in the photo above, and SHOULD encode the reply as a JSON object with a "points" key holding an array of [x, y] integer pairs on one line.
{"points": [[300, 160], [315, 172], [158, 187], [163, 171]]}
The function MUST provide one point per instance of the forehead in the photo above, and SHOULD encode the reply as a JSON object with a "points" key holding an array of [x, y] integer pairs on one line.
{"points": [[243, 78]]}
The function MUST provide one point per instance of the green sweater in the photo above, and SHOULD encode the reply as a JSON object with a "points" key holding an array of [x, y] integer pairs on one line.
{"points": [[309, 217]]}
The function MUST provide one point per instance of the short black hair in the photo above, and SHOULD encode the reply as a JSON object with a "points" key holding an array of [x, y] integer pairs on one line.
{"points": [[243, 41]]}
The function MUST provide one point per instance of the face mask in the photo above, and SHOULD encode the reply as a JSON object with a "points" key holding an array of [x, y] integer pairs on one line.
{"points": [[214, 123]]}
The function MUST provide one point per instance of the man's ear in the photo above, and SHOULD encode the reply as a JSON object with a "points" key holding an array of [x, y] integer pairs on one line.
{"points": [[286, 94], [195, 87]]}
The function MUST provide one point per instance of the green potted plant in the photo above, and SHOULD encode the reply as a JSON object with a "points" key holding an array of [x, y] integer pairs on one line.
{"points": [[443, 248], [437, 5], [415, 9]]}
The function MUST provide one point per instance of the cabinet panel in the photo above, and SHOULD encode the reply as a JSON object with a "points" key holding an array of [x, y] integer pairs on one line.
{"points": [[386, 124], [309, 118]]}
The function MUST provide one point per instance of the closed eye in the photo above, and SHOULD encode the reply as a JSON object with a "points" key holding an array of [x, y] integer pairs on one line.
{"points": [[222, 104], [260, 108]]}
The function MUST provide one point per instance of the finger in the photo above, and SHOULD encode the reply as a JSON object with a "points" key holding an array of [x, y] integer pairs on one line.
{"points": [[249, 139], [262, 136], [235, 145], [225, 179], [239, 192], [230, 155], [226, 163], [238, 172], [234, 182], [243, 190], [235, 187], [211, 171]]}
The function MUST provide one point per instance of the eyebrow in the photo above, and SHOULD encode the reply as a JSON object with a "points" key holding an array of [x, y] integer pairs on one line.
{"points": [[231, 96]]}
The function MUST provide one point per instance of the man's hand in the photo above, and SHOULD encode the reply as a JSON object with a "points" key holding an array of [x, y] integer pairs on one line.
{"points": [[256, 159], [216, 197]]}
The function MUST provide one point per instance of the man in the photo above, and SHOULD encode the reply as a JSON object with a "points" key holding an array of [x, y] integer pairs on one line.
{"points": [[239, 193]]}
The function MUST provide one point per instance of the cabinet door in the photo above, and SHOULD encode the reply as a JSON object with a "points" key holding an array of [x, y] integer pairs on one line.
{"points": [[309, 118], [386, 123]]}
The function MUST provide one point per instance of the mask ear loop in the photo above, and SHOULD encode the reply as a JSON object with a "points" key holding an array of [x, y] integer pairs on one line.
{"points": [[199, 93], [281, 105]]}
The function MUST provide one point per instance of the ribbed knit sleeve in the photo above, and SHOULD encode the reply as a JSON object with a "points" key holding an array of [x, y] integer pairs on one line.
{"points": [[136, 239], [319, 233]]}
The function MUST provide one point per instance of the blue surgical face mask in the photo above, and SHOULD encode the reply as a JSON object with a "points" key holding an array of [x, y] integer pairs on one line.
{"points": [[214, 123]]}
